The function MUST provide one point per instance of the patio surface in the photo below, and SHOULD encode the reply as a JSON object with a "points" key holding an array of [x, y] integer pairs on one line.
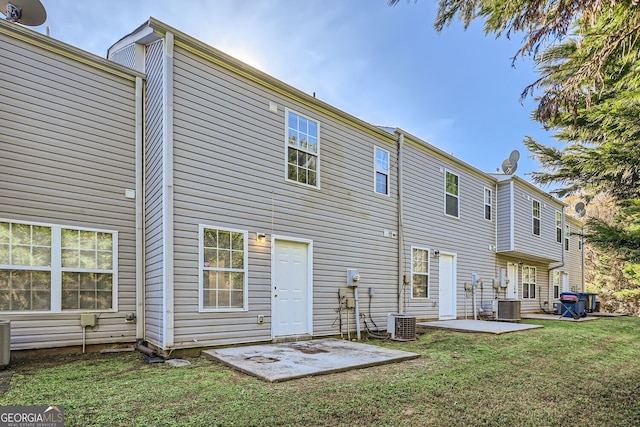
{"points": [[287, 361], [490, 327]]}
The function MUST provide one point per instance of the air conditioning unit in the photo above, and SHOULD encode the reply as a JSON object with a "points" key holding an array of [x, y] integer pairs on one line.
{"points": [[508, 309], [402, 327]]}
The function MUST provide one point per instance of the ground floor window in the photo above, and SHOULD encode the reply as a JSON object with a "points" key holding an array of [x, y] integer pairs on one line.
{"points": [[528, 282], [223, 269], [54, 268], [419, 273], [556, 284]]}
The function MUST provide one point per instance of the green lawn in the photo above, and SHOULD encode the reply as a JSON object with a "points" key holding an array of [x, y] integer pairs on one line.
{"points": [[565, 374]]}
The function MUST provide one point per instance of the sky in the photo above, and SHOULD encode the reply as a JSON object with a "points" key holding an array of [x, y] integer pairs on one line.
{"points": [[386, 65]]}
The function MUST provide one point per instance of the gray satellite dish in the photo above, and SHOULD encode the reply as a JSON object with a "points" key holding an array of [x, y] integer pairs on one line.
{"points": [[509, 167], [580, 209], [25, 12], [514, 157]]}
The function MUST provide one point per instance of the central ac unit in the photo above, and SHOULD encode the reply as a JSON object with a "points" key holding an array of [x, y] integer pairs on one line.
{"points": [[402, 327], [508, 309]]}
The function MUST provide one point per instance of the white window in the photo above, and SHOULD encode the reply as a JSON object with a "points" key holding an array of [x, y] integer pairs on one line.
{"points": [[558, 226], [381, 178], [451, 190], [303, 150], [488, 203], [567, 233], [536, 214], [223, 269], [419, 272], [556, 284], [528, 282], [54, 268]]}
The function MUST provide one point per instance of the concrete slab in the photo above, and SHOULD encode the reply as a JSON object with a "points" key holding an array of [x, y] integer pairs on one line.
{"points": [[287, 361], [478, 326], [542, 316], [602, 314]]}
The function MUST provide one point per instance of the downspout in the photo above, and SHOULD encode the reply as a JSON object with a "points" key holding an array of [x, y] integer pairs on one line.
{"points": [[140, 191], [167, 203], [400, 223], [139, 171]]}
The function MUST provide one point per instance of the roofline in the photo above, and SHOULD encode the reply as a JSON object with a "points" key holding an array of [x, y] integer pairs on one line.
{"points": [[443, 154], [507, 178], [50, 44], [208, 52]]}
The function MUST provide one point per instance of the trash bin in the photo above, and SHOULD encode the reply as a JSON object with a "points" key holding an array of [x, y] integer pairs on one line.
{"points": [[5, 342]]}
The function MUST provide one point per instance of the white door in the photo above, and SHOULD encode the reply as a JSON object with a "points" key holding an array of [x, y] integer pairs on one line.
{"points": [[447, 286], [565, 281], [512, 277], [290, 289]]}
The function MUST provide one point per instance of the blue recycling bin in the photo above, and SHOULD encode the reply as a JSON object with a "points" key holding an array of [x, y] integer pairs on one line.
{"points": [[573, 304]]}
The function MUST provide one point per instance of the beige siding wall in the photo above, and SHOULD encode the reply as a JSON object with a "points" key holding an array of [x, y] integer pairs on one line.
{"points": [[67, 156], [229, 172], [573, 257], [504, 202], [125, 56], [470, 237], [154, 152]]}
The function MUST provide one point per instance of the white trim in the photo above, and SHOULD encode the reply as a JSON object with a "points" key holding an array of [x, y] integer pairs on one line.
{"points": [[309, 244], [286, 149], [245, 292], [428, 274], [375, 170], [533, 218], [167, 190], [484, 205], [457, 196]]}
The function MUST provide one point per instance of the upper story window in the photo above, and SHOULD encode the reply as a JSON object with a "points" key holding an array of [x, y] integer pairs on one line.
{"points": [[558, 226], [419, 273], [303, 150], [223, 269], [381, 178], [488, 203], [567, 233], [529, 282], [536, 214], [452, 202], [53, 268]]}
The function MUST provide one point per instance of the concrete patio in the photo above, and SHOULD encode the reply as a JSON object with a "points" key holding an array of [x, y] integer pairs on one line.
{"points": [[483, 326]]}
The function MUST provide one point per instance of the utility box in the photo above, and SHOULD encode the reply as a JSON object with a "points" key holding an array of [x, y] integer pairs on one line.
{"points": [[87, 319], [5, 342]]}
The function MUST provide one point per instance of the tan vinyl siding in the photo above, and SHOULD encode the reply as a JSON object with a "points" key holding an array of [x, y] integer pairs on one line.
{"points": [[470, 237], [67, 157], [229, 172], [573, 257], [504, 224], [154, 250]]}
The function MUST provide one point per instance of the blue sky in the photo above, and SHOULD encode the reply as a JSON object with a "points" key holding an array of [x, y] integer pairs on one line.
{"points": [[386, 65]]}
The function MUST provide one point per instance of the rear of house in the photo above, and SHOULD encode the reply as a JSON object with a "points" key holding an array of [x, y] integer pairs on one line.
{"points": [[258, 200], [67, 166]]}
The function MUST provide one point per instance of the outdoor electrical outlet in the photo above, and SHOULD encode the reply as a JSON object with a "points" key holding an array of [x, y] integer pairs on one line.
{"points": [[351, 302], [260, 318]]}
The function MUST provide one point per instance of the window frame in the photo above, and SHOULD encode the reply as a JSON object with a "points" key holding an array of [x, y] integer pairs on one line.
{"points": [[530, 285], [287, 113], [456, 196], [488, 205], [536, 219], [556, 283], [567, 233], [377, 171], [421, 273], [56, 269], [558, 227], [201, 269]]}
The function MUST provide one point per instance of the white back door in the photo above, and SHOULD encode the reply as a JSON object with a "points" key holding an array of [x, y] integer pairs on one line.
{"points": [[447, 286]]}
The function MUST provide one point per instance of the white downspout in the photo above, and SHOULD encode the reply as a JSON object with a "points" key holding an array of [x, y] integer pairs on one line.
{"points": [[400, 224], [167, 203], [140, 244]]}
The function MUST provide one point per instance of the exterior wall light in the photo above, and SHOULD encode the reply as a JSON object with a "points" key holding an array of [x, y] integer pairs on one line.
{"points": [[261, 237]]}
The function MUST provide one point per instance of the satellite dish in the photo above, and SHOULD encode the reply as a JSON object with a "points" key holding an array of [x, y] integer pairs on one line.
{"points": [[514, 157], [580, 209], [25, 12], [509, 167]]}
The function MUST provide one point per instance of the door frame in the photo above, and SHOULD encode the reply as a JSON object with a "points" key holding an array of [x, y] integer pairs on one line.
{"points": [[517, 279], [309, 243], [454, 286]]}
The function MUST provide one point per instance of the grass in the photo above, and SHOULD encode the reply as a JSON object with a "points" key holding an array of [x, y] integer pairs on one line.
{"points": [[585, 373]]}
